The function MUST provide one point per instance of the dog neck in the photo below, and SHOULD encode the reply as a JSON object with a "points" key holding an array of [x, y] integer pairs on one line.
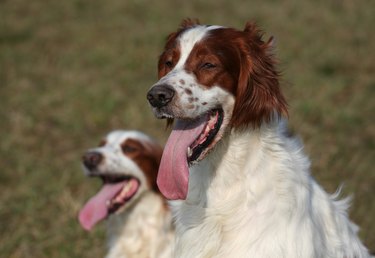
{"points": [[144, 230], [255, 190], [237, 162]]}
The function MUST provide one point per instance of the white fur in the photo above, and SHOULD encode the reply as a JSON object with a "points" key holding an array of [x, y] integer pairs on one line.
{"points": [[188, 40], [190, 105], [143, 227], [143, 231], [115, 161], [253, 196]]}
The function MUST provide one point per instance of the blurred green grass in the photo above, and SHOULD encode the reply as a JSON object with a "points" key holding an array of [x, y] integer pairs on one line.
{"points": [[70, 71]]}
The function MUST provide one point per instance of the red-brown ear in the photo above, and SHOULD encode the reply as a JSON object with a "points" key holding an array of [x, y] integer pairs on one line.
{"points": [[150, 163], [258, 95]]}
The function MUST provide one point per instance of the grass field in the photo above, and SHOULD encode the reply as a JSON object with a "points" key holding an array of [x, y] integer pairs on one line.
{"points": [[70, 71]]}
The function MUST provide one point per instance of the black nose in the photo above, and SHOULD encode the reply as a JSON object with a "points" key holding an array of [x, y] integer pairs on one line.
{"points": [[160, 95], [92, 159]]}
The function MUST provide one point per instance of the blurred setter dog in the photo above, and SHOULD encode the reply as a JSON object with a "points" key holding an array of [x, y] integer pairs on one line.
{"points": [[241, 182], [139, 221]]}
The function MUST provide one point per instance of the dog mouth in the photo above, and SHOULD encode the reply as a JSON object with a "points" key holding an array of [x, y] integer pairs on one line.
{"points": [[129, 189], [115, 193], [205, 140], [190, 142]]}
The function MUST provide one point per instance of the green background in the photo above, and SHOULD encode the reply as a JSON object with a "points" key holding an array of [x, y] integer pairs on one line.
{"points": [[71, 71]]}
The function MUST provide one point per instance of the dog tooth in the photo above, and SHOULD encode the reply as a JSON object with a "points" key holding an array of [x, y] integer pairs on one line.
{"points": [[126, 188], [190, 152]]}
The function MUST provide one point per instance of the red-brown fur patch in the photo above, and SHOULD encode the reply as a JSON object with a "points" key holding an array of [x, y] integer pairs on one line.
{"points": [[258, 91], [102, 142], [171, 50], [241, 63], [147, 156]]}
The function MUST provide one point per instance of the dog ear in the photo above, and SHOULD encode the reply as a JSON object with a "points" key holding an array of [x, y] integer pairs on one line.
{"points": [[150, 161], [258, 95]]}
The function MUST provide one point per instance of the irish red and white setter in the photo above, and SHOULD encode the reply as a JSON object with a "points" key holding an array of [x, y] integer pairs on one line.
{"points": [[240, 182], [139, 221]]}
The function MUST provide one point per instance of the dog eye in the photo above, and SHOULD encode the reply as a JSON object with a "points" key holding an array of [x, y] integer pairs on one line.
{"points": [[208, 66], [169, 64], [128, 149]]}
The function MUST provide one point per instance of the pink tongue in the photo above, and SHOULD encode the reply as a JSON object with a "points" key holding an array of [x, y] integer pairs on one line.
{"points": [[96, 208], [173, 176]]}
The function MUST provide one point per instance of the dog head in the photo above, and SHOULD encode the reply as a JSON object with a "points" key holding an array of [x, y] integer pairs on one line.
{"points": [[127, 162], [212, 79]]}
